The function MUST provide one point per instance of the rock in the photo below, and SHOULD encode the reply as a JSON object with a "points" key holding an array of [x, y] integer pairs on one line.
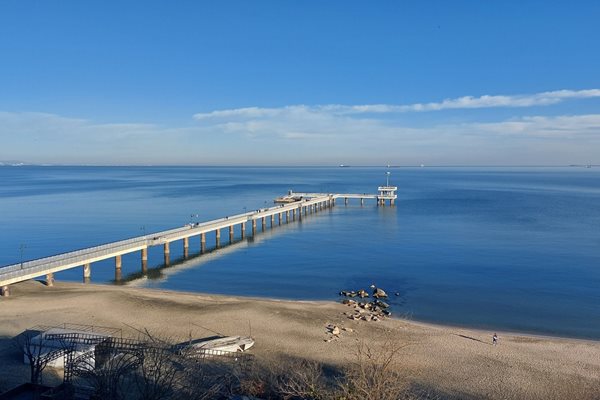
{"points": [[387, 313], [348, 329], [335, 330], [382, 304], [379, 293], [349, 302], [397, 293], [362, 293]]}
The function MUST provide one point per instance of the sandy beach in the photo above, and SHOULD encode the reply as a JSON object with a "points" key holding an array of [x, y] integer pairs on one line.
{"points": [[454, 362]]}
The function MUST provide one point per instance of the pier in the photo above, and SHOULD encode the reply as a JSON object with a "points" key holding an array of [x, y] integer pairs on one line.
{"points": [[291, 207]]}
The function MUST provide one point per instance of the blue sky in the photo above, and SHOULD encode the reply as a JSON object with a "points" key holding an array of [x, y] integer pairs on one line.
{"points": [[300, 82]]}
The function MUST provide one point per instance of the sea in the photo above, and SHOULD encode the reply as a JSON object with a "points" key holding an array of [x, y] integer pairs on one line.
{"points": [[496, 248]]}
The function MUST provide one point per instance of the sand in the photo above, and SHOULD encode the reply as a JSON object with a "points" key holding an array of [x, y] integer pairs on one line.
{"points": [[455, 362]]}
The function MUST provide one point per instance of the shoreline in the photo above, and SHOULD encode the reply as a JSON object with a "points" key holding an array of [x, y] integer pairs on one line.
{"points": [[455, 362], [427, 324], [432, 324]]}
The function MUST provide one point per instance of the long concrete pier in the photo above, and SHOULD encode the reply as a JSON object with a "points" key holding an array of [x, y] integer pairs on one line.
{"points": [[295, 206]]}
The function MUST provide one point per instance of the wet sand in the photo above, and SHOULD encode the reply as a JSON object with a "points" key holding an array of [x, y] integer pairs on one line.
{"points": [[455, 362]]}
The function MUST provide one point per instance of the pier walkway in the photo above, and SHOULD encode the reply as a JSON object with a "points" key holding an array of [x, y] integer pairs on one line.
{"points": [[295, 206]]}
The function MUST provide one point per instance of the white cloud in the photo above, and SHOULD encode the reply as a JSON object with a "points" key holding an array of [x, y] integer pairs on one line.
{"points": [[465, 102], [311, 134], [563, 126]]}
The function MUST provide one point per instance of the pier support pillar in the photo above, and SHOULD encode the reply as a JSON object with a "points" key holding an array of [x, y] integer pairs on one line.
{"points": [[87, 273], [186, 247], [218, 238], [50, 279], [345, 201], [287, 217], [4, 291], [202, 242], [144, 260], [253, 227], [243, 229], [391, 202], [167, 252], [294, 214], [272, 220], [231, 234], [300, 213], [362, 201], [279, 219], [263, 223], [118, 268]]}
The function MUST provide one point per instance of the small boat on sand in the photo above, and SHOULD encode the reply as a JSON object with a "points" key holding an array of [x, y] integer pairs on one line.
{"points": [[218, 344]]}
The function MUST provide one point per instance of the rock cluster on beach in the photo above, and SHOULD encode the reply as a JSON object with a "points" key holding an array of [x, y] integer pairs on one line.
{"points": [[365, 310]]}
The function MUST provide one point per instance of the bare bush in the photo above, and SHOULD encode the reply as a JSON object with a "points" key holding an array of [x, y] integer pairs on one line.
{"points": [[302, 379], [375, 374], [39, 352]]}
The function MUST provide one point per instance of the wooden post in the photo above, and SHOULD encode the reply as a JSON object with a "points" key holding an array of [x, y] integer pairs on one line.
{"points": [[230, 233], [253, 227], [50, 279], [218, 238], [243, 229], [118, 262], [263, 223], [272, 220], [5, 291]]}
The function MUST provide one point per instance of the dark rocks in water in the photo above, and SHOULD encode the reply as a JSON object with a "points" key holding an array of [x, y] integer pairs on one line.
{"points": [[362, 293], [397, 293], [379, 293], [382, 304]]}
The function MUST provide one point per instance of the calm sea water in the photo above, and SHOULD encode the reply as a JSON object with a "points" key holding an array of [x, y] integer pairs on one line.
{"points": [[495, 248]]}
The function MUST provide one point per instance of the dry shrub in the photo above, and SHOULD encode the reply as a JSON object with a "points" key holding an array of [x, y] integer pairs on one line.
{"points": [[375, 374]]}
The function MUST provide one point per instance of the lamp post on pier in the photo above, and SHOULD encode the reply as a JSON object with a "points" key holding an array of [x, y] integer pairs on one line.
{"points": [[22, 248]]}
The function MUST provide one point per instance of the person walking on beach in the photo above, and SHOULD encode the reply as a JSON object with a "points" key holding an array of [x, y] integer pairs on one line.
{"points": [[495, 339]]}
